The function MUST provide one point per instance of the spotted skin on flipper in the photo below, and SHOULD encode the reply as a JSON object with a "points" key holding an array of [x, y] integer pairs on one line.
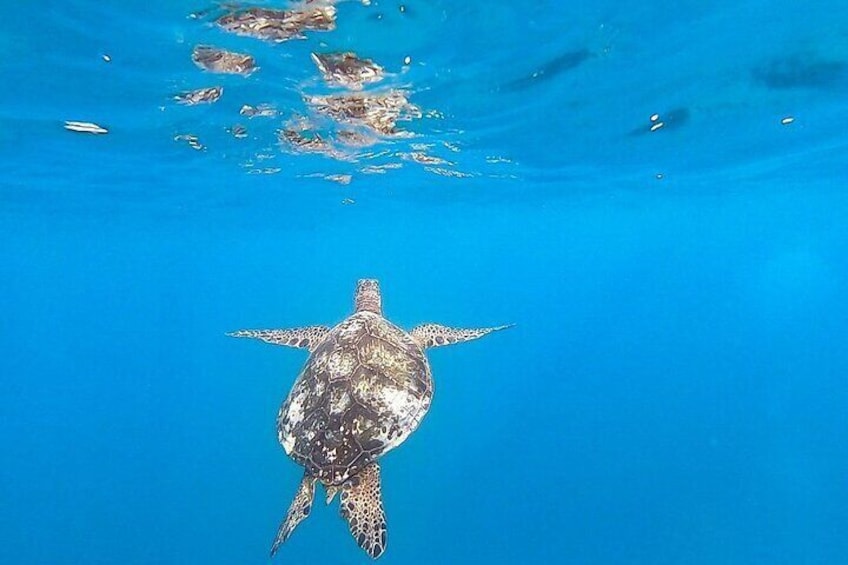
{"points": [[362, 506], [298, 511], [308, 338], [435, 335]]}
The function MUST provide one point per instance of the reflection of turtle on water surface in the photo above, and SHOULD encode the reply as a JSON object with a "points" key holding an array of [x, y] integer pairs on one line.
{"points": [[200, 96], [378, 111], [279, 25], [218, 60], [347, 69], [364, 390]]}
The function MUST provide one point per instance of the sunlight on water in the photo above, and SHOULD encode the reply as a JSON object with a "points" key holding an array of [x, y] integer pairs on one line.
{"points": [[353, 111], [351, 91]]}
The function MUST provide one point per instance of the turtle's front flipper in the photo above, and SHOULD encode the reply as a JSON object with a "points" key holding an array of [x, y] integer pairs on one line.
{"points": [[362, 506], [298, 511], [435, 335], [306, 338]]}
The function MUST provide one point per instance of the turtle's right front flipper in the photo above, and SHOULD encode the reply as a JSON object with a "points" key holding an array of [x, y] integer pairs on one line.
{"points": [[298, 511], [305, 338], [437, 335]]}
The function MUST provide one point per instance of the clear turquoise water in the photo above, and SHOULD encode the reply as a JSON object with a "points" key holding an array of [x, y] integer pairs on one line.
{"points": [[674, 391]]}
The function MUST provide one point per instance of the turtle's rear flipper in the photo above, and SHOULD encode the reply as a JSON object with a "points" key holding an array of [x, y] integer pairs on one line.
{"points": [[435, 335], [299, 509], [362, 507]]}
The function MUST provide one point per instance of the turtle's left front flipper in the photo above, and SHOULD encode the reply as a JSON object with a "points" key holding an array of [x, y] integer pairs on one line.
{"points": [[305, 338], [362, 506], [435, 335]]}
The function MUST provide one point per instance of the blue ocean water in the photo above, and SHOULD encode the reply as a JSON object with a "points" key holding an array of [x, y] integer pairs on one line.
{"points": [[673, 391]]}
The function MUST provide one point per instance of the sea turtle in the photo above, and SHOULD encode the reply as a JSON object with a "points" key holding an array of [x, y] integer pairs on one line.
{"points": [[365, 387]]}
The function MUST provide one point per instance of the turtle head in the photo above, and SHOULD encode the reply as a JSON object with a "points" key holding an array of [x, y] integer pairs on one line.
{"points": [[367, 298]]}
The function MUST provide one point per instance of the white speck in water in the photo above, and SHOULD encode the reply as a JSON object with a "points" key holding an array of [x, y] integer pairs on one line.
{"points": [[85, 127], [787, 120], [107, 58], [407, 60], [657, 126], [655, 117]]}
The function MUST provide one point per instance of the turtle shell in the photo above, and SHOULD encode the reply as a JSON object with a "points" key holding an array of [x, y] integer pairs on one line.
{"points": [[364, 389]]}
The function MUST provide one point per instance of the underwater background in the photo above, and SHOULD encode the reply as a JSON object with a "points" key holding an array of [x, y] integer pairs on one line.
{"points": [[674, 389]]}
